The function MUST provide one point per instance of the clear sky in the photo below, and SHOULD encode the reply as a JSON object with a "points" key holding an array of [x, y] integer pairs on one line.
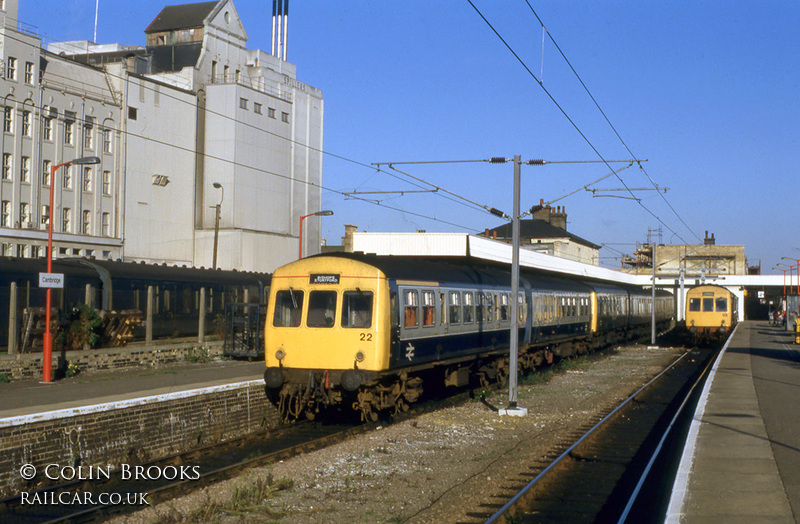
{"points": [[707, 91]]}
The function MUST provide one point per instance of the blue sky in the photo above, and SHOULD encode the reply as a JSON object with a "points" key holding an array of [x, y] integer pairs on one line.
{"points": [[707, 91]]}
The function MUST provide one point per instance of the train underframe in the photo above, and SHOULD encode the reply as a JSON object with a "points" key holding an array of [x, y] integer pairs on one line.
{"points": [[311, 393]]}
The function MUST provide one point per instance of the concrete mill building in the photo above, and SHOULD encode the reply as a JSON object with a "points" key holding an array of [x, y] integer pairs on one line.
{"points": [[190, 121]]}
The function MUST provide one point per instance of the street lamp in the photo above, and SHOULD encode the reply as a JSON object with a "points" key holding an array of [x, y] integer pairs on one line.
{"points": [[798, 274], [323, 213], [217, 185], [47, 355], [784, 279]]}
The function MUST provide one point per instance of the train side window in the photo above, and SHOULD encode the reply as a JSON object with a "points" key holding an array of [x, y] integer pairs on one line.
{"points": [[505, 316], [708, 304], [411, 308], [428, 308], [489, 303], [522, 308], [357, 309], [455, 307], [694, 304], [722, 305], [469, 308], [288, 307], [321, 309]]}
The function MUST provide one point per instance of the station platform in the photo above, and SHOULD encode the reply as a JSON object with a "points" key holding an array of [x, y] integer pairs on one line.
{"points": [[741, 462], [30, 397]]}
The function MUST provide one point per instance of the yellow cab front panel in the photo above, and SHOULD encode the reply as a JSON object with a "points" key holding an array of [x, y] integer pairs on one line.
{"points": [[709, 307], [328, 313]]}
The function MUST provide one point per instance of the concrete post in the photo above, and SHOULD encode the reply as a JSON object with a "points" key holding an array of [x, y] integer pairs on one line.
{"points": [[12, 320], [201, 324], [148, 326]]}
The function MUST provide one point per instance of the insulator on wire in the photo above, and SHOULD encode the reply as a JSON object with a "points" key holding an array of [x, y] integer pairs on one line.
{"points": [[538, 162], [497, 213], [498, 160]]}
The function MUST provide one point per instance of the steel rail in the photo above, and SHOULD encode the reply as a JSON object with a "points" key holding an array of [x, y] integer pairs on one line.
{"points": [[523, 491]]}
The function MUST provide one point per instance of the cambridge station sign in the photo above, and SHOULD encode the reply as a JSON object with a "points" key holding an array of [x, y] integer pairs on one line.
{"points": [[53, 280]]}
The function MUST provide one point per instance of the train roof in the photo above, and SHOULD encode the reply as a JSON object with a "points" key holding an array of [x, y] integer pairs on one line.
{"points": [[454, 270], [130, 270]]}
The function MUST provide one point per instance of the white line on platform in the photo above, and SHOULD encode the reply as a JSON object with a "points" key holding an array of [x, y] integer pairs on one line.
{"points": [[96, 408]]}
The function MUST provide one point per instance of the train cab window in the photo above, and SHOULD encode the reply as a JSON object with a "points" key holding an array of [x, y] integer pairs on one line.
{"points": [[722, 305], [410, 308], [505, 308], [288, 307], [357, 309], [321, 309], [708, 304], [469, 308], [428, 308], [694, 304], [454, 307]]}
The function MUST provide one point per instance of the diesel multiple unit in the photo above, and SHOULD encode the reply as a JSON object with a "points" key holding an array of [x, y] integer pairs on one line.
{"points": [[369, 332]]}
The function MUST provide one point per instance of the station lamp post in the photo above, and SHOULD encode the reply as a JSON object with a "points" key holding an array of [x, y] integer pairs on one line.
{"points": [[47, 351], [798, 274], [784, 279], [323, 213], [218, 207]]}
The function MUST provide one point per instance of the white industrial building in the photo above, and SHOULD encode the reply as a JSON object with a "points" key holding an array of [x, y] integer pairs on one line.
{"points": [[190, 121]]}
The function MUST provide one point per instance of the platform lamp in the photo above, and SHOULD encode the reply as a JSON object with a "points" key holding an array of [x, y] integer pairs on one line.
{"points": [[217, 185], [784, 279], [323, 213], [798, 274], [47, 351]]}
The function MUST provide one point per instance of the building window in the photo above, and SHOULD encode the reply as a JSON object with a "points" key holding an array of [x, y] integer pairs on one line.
{"points": [[242, 103], [69, 130], [46, 172], [45, 216], [26, 123], [285, 117], [37, 252], [132, 113], [271, 112], [25, 169], [87, 179], [106, 182], [6, 249], [11, 69], [257, 108], [66, 220], [48, 128], [68, 177], [106, 224], [8, 166], [86, 223], [5, 213], [88, 133], [106, 140], [213, 71], [29, 73], [25, 214], [8, 120]]}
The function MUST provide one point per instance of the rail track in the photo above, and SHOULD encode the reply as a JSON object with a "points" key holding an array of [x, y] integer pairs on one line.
{"points": [[620, 468]]}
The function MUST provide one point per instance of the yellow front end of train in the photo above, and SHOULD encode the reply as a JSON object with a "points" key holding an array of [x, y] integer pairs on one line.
{"points": [[327, 314], [710, 310]]}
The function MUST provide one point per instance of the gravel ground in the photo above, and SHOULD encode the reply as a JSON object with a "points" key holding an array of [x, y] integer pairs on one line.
{"points": [[439, 467]]}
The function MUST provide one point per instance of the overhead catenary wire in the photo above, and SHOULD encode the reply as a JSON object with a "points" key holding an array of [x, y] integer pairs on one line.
{"points": [[613, 128], [569, 119]]}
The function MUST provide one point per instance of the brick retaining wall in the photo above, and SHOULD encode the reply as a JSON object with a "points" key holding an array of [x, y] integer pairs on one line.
{"points": [[131, 432]]}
